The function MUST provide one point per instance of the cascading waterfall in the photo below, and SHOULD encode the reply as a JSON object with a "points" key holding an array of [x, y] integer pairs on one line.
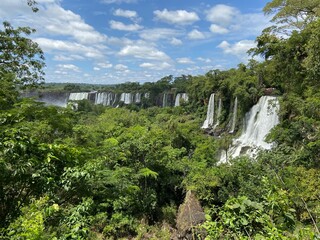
{"points": [[180, 96], [210, 113], [147, 95], [78, 96], [137, 98], [218, 113], [104, 98], [257, 124], [127, 98], [234, 115], [177, 100], [185, 97], [164, 100]]}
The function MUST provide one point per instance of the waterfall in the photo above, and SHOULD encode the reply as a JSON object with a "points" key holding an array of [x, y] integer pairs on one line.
{"points": [[104, 98], [218, 113], [78, 96], [137, 98], [177, 101], [180, 96], [210, 113], [127, 98], [257, 124], [164, 100], [185, 97], [147, 95], [234, 115]]}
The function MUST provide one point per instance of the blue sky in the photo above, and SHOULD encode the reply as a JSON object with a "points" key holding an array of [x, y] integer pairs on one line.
{"points": [[116, 41]]}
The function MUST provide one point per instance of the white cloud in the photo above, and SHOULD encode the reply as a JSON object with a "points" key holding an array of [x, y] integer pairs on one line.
{"points": [[195, 34], [56, 20], [123, 27], [238, 49], [72, 57], [214, 28], [222, 14], [96, 69], [158, 33], [104, 65], [118, 1], [120, 67], [71, 67], [175, 42], [179, 17], [184, 60], [125, 13], [144, 52], [156, 66], [49, 45], [206, 60]]}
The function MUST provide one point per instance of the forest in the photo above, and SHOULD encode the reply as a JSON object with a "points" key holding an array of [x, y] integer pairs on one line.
{"points": [[99, 172]]}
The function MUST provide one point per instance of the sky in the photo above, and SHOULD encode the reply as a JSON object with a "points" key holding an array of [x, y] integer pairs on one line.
{"points": [[117, 41]]}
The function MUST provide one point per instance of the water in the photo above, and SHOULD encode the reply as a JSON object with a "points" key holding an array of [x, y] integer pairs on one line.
{"points": [[180, 96], [177, 100], [165, 100], [234, 115], [127, 98], [210, 113], [218, 113], [78, 96], [258, 122]]}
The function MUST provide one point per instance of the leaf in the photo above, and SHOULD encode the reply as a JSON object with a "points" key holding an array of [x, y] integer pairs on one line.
{"points": [[146, 172]]}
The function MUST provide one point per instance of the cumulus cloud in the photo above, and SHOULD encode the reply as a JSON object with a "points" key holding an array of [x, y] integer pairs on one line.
{"points": [[214, 28], [123, 27], [71, 67], [175, 42], [50, 45], [144, 52], [226, 19], [195, 34], [71, 57], [179, 17], [156, 66], [156, 34], [104, 65], [238, 49], [58, 21], [222, 14], [184, 60], [206, 60], [121, 67], [125, 13]]}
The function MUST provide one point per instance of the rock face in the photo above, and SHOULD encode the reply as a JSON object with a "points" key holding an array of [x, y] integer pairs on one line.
{"points": [[190, 215]]}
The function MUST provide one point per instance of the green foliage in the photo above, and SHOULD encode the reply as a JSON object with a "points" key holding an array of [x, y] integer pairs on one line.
{"points": [[21, 55]]}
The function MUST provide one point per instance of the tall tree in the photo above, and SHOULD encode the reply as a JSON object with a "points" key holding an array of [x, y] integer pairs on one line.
{"points": [[20, 55], [293, 13]]}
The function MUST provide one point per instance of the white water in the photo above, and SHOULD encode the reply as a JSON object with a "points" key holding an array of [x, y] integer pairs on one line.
{"points": [[234, 115], [78, 96], [164, 100], [127, 98], [177, 100], [180, 96], [210, 113], [218, 113], [104, 98], [258, 122], [137, 98]]}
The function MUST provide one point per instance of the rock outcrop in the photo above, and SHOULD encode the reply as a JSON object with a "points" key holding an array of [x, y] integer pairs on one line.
{"points": [[190, 216]]}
